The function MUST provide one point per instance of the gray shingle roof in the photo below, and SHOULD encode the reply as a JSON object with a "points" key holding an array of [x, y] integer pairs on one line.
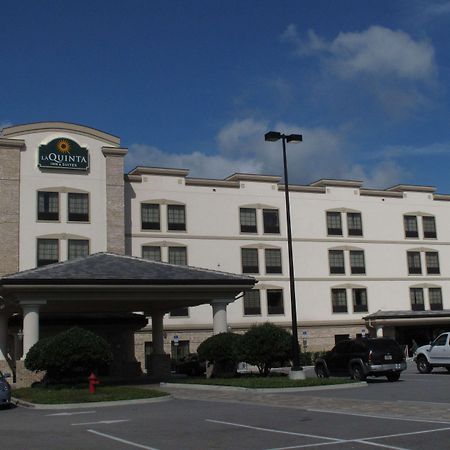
{"points": [[109, 268]]}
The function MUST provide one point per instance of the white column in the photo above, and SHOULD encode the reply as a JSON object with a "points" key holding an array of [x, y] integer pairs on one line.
{"points": [[219, 308], [158, 333], [3, 335], [379, 329], [30, 325]]}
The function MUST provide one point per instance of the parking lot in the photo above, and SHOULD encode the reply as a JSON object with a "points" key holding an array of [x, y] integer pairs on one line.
{"points": [[413, 413]]}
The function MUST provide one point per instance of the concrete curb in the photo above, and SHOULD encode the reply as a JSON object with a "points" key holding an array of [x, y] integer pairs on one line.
{"points": [[23, 403], [209, 387]]}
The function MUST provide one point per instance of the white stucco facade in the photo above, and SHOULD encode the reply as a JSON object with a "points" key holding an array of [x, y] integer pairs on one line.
{"points": [[212, 237]]}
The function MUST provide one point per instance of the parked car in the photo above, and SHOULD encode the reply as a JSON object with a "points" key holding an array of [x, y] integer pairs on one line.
{"points": [[434, 354], [363, 357], [5, 390]]}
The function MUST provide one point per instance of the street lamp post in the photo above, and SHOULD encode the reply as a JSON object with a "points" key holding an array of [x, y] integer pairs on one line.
{"points": [[272, 136]]}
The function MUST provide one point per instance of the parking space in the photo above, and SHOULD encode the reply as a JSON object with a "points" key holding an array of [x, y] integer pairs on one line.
{"points": [[411, 414]]}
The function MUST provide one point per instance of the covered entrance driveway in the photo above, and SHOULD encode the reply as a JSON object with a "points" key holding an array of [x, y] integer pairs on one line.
{"points": [[108, 286], [409, 328]]}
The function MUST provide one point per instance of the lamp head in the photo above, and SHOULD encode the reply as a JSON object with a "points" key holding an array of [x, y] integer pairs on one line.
{"points": [[294, 138], [272, 136]]}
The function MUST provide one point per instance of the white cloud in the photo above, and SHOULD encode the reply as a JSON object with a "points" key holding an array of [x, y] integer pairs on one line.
{"points": [[241, 148], [377, 51], [400, 151]]}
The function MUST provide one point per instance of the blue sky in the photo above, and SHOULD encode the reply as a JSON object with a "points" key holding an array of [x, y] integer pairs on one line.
{"points": [[196, 84]]}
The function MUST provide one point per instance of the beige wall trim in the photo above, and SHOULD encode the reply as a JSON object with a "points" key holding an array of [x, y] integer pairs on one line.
{"points": [[115, 201], [253, 177], [337, 183], [212, 183], [380, 193], [39, 127], [114, 151], [133, 178], [10, 204], [142, 170]]}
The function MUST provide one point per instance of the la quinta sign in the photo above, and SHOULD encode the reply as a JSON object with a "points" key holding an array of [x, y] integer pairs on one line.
{"points": [[63, 153]]}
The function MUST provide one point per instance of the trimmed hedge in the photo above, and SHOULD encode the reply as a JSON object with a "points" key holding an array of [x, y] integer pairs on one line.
{"points": [[70, 354]]}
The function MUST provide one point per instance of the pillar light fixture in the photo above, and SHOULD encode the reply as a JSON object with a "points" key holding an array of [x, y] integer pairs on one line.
{"points": [[273, 136]]}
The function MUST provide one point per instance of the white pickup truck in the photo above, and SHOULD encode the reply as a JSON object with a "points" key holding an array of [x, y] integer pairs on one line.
{"points": [[435, 354]]}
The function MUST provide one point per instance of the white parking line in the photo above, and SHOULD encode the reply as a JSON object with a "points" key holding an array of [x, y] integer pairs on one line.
{"points": [[270, 430], [71, 413], [380, 445], [114, 438], [105, 422], [375, 416]]}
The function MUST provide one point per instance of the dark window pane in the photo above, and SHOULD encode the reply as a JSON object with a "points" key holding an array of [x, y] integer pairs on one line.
{"points": [[432, 261], [411, 229], [339, 300], [252, 303], [178, 256], [249, 260], [273, 260], [247, 217], [47, 251], [334, 223], [150, 218], [275, 304], [48, 206], [77, 248], [417, 303], [180, 312], [435, 297], [360, 300], [354, 224], [151, 252], [176, 217], [429, 227], [78, 207], [179, 350], [414, 266], [357, 263], [336, 259], [271, 222]]}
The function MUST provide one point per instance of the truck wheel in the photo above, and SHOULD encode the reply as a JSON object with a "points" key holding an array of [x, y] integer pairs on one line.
{"points": [[423, 365], [357, 373], [394, 376]]}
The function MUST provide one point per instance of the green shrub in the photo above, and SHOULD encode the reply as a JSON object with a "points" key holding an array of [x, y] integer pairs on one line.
{"points": [[266, 346], [70, 354], [223, 350]]}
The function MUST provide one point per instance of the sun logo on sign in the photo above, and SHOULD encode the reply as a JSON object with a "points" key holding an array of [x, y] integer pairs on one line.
{"points": [[63, 146]]}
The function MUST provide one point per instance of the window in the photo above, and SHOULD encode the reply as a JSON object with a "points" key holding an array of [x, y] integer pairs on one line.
{"points": [[336, 259], [435, 297], [176, 217], [417, 303], [275, 304], [47, 251], [411, 230], [48, 206], [270, 220], [180, 312], [340, 337], [334, 223], [250, 260], [432, 261], [440, 340], [429, 227], [273, 260], [354, 224], [77, 248], [178, 256], [414, 266], [151, 252], [339, 300], [78, 207], [150, 216], [359, 300], [357, 265], [248, 220], [252, 303]]}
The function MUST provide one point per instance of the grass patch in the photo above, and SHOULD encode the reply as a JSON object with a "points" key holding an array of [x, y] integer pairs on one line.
{"points": [[82, 395], [256, 382]]}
